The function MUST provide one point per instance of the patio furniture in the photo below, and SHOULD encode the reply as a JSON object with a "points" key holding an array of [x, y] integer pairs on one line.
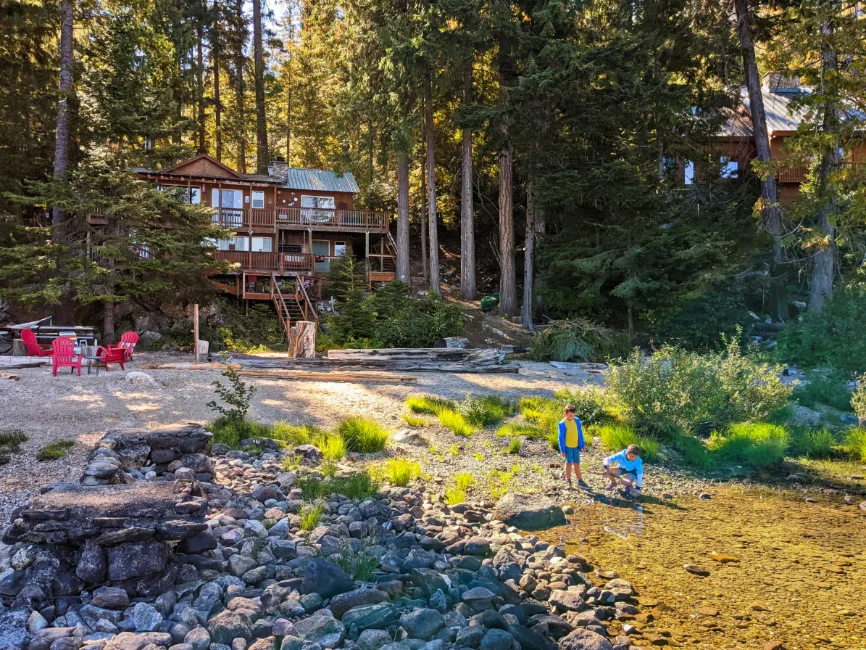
{"points": [[113, 355], [34, 349], [127, 342], [93, 361], [63, 356]]}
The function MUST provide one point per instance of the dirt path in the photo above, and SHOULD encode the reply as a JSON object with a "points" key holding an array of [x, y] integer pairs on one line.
{"points": [[50, 408]]}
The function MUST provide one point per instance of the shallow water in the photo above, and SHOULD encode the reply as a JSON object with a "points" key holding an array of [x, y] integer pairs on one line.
{"points": [[800, 579]]}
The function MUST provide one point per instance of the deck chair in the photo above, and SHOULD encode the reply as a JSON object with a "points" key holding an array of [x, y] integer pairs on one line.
{"points": [[127, 343], [63, 355], [112, 355], [34, 349]]}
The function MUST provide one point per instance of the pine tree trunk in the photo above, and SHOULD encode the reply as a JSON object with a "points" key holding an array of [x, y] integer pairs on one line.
{"points": [[199, 82], [215, 62], [771, 212], [507, 278], [240, 90], [289, 114], [424, 267], [431, 185], [61, 143], [529, 260], [262, 158], [403, 217], [108, 329], [824, 261], [467, 211]]}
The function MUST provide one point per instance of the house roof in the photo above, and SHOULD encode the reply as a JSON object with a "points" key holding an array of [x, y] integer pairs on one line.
{"points": [[316, 180], [781, 116], [319, 180]]}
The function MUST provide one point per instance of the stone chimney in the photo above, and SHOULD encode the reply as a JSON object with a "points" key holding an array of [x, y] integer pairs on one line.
{"points": [[281, 169]]}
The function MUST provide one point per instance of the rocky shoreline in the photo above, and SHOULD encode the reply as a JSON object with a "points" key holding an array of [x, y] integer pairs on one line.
{"points": [[398, 570]]}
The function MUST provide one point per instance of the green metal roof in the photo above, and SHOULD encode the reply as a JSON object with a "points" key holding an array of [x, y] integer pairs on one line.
{"points": [[319, 180]]}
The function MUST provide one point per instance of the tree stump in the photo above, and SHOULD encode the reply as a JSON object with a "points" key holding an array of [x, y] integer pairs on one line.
{"points": [[302, 341]]}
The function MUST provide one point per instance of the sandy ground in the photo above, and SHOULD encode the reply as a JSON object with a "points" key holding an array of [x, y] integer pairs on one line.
{"points": [[50, 408]]}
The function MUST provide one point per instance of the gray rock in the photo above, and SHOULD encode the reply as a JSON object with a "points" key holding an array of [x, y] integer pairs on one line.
{"points": [[583, 639], [110, 598], [326, 631], [92, 615], [529, 639], [36, 622], [226, 626], [479, 546], [67, 643], [428, 581], [497, 640], [136, 560], [323, 577], [209, 597], [145, 617], [377, 616], [139, 641], [528, 512], [284, 627], [422, 623], [239, 564], [14, 636], [566, 601], [92, 564], [470, 637], [198, 638], [341, 603], [373, 639]]}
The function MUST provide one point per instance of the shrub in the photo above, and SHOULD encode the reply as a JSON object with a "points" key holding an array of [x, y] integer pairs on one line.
{"points": [[485, 410], [414, 420], [578, 340], [10, 443], [464, 481], [408, 322], [363, 435], [236, 395], [813, 443], [827, 387], [55, 450], [514, 446], [834, 337], [454, 496], [858, 398], [429, 404], [694, 452], [855, 444], [758, 444], [590, 404], [520, 429], [456, 422], [400, 471], [616, 437], [674, 390], [311, 515]]}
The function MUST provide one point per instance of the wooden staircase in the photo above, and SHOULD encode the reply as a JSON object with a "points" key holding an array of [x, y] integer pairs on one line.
{"points": [[292, 307]]}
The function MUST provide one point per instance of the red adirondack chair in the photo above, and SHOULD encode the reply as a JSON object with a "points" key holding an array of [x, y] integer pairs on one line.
{"points": [[34, 349], [112, 355], [127, 343], [63, 355]]}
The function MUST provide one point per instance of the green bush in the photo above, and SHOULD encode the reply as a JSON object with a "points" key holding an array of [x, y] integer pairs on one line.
{"points": [[674, 390], [590, 403], [694, 452], [758, 444], [485, 410], [855, 444], [616, 437], [813, 443], [55, 450], [858, 398], [553, 440], [417, 323], [834, 337], [429, 404], [828, 387], [363, 435], [455, 421], [399, 471], [578, 340], [237, 395]]}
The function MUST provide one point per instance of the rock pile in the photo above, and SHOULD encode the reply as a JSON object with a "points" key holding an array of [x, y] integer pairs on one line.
{"points": [[399, 570]]}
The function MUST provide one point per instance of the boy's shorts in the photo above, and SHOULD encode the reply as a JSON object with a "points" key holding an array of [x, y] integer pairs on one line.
{"points": [[572, 455]]}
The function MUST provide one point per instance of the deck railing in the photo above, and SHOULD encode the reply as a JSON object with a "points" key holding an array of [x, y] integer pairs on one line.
{"points": [[301, 217], [800, 173], [277, 262]]}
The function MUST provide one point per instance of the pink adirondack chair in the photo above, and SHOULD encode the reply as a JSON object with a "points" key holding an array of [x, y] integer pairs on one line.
{"points": [[112, 355], [34, 349], [63, 355], [127, 343]]}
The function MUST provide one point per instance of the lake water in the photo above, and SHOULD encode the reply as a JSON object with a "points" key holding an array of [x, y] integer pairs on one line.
{"points": [[800, 578]]}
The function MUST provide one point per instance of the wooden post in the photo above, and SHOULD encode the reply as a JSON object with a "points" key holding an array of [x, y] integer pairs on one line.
{"points": [[302, 340], [195, 329]]}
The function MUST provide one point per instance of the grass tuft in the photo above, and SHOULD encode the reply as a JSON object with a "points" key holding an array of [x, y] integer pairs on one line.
{"points": [[855, 444], [10, 443], [332, 445], [514, 446], [758, 444], [359, 485], [414, 420], [399, 471], [520, 429], [455, 496], [429, 404], [694, 452], [55, 450], [455, 421], [311, 515], [813, 443], [464, 481], [363, 435], [617, 437], [485, 410]]}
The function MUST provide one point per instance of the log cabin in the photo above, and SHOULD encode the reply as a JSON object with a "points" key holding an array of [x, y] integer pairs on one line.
{"points": [[289, 226], [734, 144]]}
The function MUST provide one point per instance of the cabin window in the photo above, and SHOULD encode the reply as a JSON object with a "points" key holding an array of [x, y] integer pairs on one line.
{"points": [[689, 172], [258, 200], [210, 242], [730, 168], [339, 248], [262, 245], [242, 244], [195, 195], [321, 202]]}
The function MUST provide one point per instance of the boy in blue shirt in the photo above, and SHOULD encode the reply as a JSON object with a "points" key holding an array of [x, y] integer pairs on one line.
{"points": [[571, 444], [626, 467]]}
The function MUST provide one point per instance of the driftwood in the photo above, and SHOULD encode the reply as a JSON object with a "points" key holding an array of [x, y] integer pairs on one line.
{"points": [[9, 377], [466, 355], [302, 340], [356, 377], [379, 364], [185, 365], [18, 363]]}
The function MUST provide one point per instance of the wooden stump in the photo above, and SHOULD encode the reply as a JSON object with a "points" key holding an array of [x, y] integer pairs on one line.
{"points": [[302, 343]]}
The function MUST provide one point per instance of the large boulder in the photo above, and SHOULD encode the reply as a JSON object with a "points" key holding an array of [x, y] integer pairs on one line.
{"points": [[528, 512], [324, 578]]}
